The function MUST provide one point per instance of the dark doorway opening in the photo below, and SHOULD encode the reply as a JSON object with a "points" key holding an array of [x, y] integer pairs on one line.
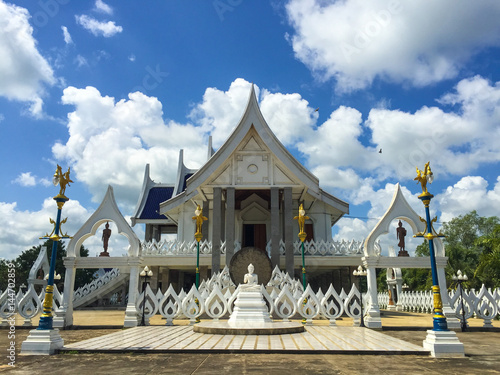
{"points": [[254, 235]]}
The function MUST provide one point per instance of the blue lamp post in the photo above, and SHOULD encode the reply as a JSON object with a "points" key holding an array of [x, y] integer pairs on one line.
{"points": [[424, 177], [61, 179]]}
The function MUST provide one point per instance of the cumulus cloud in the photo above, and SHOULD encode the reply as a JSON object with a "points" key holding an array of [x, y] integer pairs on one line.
{"points": [[22, 229], [470, 193], [458, 142], [462, 135], [111, 142], [102, 7], [220, 111], [66, 35], [355, 42], [25, 179], [288, 115], [98, 28], [23, 70], [379, 201]]}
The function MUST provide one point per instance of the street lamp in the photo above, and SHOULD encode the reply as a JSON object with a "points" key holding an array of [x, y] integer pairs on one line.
{"points": [[301, 219], [45, 339], [198, 216], [460, 278], [146, 272], [360, 272], [424, 177], [63, 180]]}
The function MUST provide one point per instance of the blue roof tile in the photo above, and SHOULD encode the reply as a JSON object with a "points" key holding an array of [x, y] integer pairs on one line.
{"points": [[156, 196]]}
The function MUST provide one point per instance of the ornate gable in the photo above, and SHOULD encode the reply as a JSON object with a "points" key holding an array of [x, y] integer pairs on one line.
{"points": [[252, 164]]}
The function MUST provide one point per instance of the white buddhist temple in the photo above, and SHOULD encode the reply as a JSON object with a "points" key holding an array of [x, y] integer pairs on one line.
{"points": [[250, 190]]}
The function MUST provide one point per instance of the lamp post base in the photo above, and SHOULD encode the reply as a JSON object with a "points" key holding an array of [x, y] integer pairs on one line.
{"points": [[443, 344], [42, 342]]}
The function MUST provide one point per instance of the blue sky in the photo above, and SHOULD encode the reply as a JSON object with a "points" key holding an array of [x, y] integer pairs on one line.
{"points": [[105, 87]]}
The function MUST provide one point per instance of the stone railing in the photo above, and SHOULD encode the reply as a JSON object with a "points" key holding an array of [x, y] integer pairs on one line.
{"points": [[317, 248], [95, 284], [284, 296], [484, 304]]}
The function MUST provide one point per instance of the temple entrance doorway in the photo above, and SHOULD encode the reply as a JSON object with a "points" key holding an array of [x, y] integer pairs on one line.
{"points": [[254, 235]]}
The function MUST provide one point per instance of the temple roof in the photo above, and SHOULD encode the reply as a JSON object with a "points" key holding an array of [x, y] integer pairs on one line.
{"points": [[152, 194], [252, 157]]}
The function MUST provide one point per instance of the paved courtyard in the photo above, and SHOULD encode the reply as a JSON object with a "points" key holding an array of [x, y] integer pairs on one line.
{"points": [[482, 353]]}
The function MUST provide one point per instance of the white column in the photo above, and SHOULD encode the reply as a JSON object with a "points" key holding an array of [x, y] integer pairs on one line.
{"points": [[131, 311], [399, 291], [372, 319], [64, 314]]}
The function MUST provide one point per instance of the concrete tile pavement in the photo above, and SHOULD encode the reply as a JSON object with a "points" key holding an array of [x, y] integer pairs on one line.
{"points": [[482, 354]]}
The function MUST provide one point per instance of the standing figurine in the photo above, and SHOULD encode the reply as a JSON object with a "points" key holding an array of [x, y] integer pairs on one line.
{"points": [[301, 219], [400, 235], [106, 233], [199, 220]]}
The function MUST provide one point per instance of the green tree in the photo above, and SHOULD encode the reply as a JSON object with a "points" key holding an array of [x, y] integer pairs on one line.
{"points": [[419, 278], [488, 268], [462, 247]]}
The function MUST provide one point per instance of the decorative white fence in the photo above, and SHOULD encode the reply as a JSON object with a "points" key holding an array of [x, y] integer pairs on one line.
{"points": [[312, 247], [27, 304], [285, 298], [484, 304]]}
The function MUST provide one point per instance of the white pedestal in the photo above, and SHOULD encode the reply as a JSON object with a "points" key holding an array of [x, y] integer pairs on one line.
{"points": [[131, 318], [443, 344], [42, 342], [249, 308]]}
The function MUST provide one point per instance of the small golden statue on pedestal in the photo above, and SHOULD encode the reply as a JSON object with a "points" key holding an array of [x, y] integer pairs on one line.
{"points": [[199, 222]]}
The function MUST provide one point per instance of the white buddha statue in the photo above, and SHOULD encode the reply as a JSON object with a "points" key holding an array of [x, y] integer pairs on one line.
{"points": [[251, 280]]}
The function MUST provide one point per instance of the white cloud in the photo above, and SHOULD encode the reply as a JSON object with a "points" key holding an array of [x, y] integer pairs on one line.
{"points": [[106, 29], [220, 111], [22, 229], [379, 200], [131, 57], [356, 41], [457, 142], [470, 193], [23, 70], [25, 179], [111, 142], [66, 35], [288, 115], [102, 7]]}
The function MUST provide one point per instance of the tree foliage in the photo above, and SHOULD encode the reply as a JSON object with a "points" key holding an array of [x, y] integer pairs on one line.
{"points": [[472, 245]]}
